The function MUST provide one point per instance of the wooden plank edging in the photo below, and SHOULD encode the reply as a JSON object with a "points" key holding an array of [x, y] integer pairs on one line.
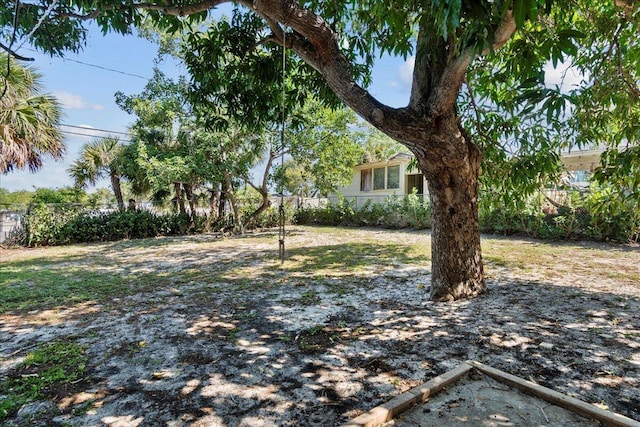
{"points": [[399, 404], [572, 404], [389, 410]]}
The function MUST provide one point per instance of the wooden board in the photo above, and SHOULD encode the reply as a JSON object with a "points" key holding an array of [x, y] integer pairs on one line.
{"points": [[418, 395]]}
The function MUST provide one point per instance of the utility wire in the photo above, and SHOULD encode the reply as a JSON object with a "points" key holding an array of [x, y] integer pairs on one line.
{"points": [[107, 69], [95, 129], [99, 66], [68, 132]]}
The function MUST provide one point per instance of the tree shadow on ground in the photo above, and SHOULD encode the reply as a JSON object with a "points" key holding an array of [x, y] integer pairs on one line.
{"points": [[224, 335]]}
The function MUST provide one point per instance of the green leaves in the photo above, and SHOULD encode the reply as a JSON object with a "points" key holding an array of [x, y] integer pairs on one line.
{"points": [[28, 120], [524, 10], [324, 145]]}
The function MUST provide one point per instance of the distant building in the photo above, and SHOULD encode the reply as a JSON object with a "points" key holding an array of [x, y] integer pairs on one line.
{"points": [[580, 165], [378, 180]]}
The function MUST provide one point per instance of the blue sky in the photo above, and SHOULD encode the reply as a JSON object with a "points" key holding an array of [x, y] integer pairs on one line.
{"points": [[86, 93]]}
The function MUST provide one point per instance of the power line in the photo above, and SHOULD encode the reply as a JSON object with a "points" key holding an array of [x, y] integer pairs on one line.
{"points": [[95, 129], [107, 69], [89, 135], [100, 67]]}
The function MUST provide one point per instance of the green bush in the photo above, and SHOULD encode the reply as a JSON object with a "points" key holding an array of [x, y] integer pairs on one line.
{"points": [[48, 225], [600, 215], [44, 224], [271, 217], [396, 212], [59, 225]]}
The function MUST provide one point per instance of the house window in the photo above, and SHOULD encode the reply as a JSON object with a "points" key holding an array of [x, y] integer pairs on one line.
{"points": [[378, 178], [365, 180], [393, 177], [579, 176]]}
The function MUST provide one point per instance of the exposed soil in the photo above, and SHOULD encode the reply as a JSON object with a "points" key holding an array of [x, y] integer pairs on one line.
{"points": [[220, 334], [478, 400]]}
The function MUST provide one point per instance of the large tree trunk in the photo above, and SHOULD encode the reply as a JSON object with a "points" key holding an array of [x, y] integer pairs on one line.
{"points": [[213, 203], [188, 191], [222, 202], [451, 168], [456, 257], [237, 217], [457, 270]]}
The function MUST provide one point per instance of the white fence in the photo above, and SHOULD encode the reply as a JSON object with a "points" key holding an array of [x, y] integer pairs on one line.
{"points": [[10, 221]]}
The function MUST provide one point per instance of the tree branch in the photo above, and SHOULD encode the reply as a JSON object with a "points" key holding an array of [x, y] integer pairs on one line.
{"points": [[187, 10], [457, 69], [15, 54], [503, 32], [316, 43]]}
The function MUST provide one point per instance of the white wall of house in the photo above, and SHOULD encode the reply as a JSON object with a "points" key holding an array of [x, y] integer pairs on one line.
{"points": [[379, 180]]}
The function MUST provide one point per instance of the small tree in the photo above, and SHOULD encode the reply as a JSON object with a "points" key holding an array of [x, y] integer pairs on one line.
{"points": [[99, 159]]}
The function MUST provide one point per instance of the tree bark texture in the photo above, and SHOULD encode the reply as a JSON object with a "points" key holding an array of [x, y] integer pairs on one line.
{"points": [[188, 191], [237, 217], [456, 254], [179, 200]]}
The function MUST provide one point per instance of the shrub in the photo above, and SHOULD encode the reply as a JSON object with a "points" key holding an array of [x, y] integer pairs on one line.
{"points": [[66, 224], [598, 216], [59, 225], [395, 212]]}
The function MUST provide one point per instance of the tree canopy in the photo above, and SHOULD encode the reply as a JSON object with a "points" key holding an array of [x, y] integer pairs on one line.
{"points": [[99, 158]]}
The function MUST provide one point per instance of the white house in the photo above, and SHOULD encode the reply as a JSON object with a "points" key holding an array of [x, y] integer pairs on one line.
{"points": [[379, 180], [580, 165]]}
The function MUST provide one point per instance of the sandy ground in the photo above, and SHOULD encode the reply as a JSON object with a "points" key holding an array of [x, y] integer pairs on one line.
{"points": [[478, 400], [241, 341]]}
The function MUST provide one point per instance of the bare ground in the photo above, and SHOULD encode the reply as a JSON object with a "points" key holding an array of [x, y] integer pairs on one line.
{"points": [[218, 333]]}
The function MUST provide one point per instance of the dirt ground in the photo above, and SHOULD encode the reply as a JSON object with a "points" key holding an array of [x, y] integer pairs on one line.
{"points": [[220, 334], [478, 400]]}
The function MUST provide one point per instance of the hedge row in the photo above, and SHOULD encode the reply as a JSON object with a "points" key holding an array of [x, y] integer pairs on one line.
{"points": [[45, 225], [586, 222]]}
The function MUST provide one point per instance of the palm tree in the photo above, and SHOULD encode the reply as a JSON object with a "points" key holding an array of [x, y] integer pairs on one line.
{"points": [[28, 120], [99, 158]]}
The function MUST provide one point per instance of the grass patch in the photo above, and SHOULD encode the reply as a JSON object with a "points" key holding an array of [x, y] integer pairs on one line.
{"points": [[351, 258], [27, 286], [51, 371]]}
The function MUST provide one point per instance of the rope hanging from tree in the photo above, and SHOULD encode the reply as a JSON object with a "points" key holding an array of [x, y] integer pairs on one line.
{"points": [[281, 232]]}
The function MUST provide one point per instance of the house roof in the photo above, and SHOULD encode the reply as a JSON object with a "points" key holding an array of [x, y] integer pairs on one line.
{"points": [[397, 156], [582, 160], [578, 160]]}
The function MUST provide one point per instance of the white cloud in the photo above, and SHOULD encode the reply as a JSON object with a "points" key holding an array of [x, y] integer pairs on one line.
{"points": [[406, 72], [564, 75], [74, 102]]}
